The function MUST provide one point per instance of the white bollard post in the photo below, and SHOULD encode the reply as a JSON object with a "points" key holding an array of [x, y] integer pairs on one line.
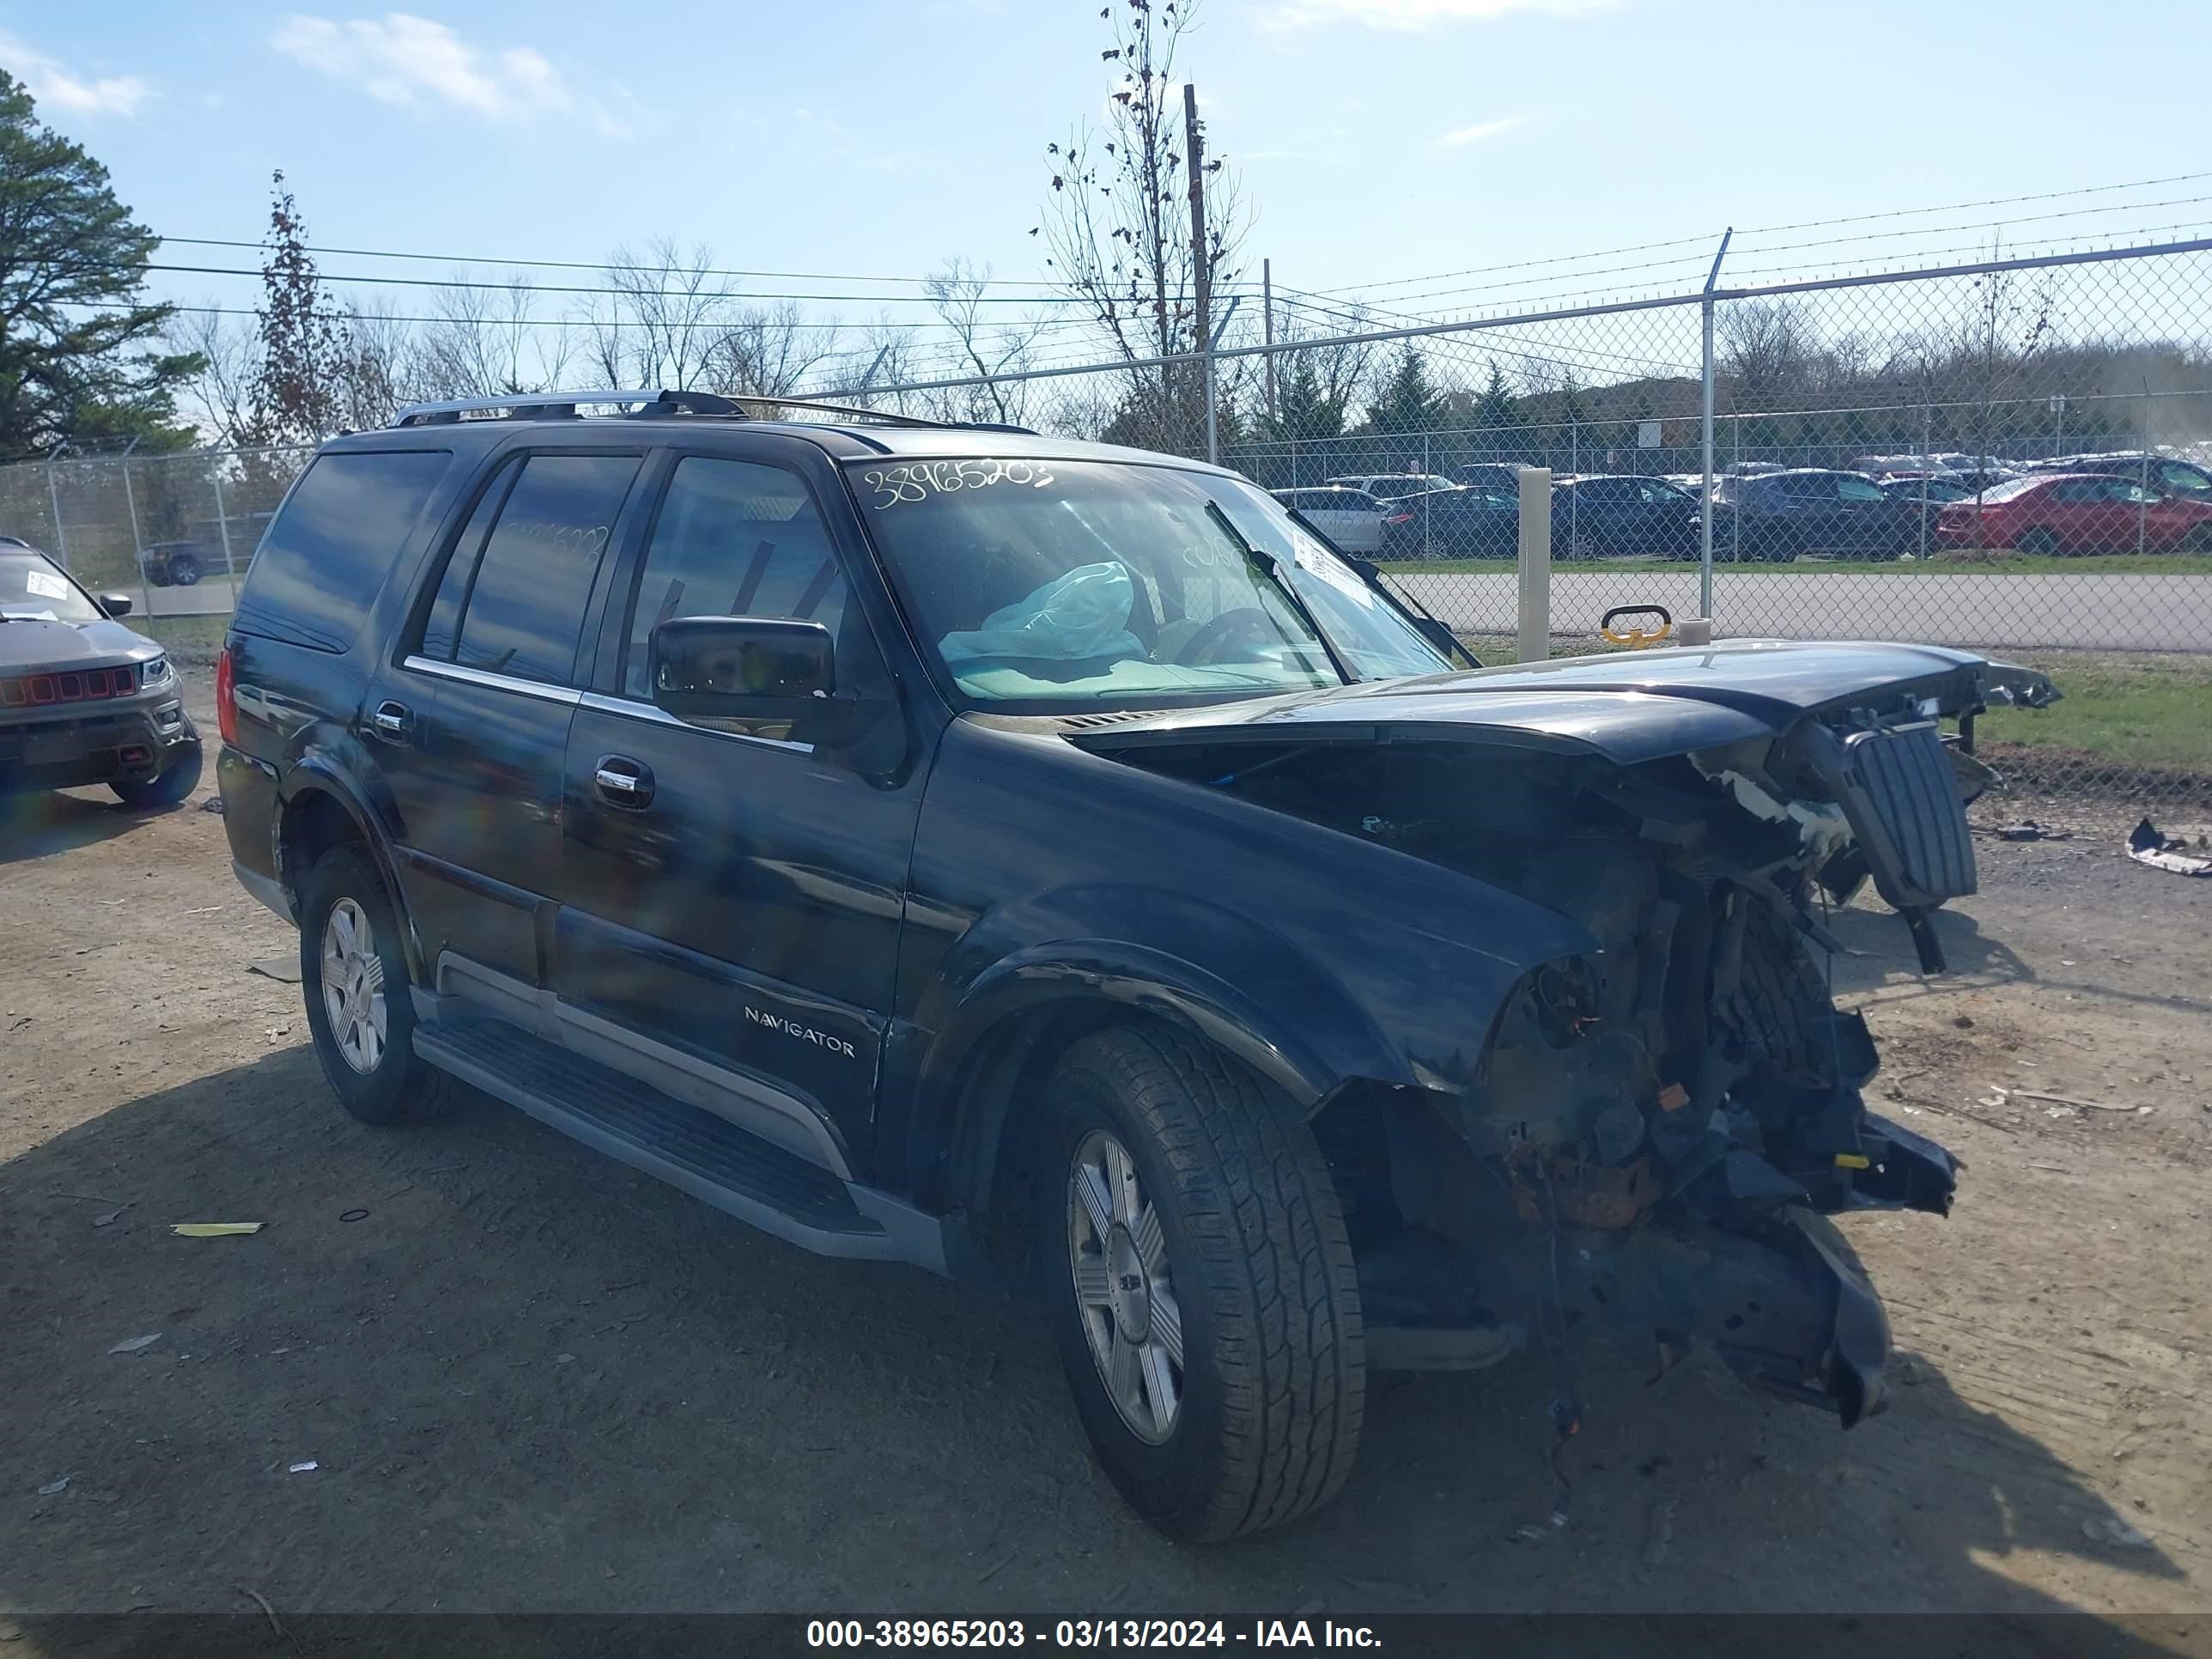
{"points": [[1536, 620]]}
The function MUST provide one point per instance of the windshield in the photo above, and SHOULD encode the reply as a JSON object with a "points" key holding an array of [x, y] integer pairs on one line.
{"points": [[1082, 583], [30, 587]]}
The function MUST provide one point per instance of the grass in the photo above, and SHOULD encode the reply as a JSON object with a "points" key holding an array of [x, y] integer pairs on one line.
{"points": [[186, 636], [2146, 711], [2002, 564]]}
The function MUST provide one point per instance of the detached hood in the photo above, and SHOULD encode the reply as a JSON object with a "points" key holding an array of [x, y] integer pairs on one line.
{"points": [[1630, 708], [25, 644]]}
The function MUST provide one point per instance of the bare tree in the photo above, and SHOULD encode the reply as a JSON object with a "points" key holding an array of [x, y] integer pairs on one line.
{"points": [[488, 343], [660, 321], [221, 393], [1766, 348], [767, 350], [1117, 222], [956, 293]]}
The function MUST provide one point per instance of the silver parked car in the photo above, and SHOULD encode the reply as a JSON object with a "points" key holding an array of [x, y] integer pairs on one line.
{"points": [[1351, 518]]}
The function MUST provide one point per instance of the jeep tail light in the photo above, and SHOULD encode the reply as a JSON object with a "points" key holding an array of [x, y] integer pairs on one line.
{"points": [[225, 701]]}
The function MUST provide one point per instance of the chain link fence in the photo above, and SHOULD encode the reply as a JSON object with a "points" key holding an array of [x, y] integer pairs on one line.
{"points": [[173, 533], [2014, 456]]}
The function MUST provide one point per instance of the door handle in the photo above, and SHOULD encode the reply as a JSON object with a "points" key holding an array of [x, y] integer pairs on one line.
{"points": [[392, 721], [623, 781]]}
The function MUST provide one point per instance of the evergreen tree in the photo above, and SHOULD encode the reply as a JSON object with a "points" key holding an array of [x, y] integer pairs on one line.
{"points": [[1304, 407], [1409, 403], [76, 356]]}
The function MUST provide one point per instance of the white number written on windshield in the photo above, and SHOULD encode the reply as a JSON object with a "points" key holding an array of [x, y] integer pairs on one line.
{"points": [[918, 480]]}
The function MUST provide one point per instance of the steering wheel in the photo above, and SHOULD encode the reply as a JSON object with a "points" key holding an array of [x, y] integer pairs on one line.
{"points": [[1246, 618]]}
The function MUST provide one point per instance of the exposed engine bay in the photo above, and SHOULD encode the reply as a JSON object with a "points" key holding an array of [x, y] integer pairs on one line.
{"points": [[1658, 1129]]}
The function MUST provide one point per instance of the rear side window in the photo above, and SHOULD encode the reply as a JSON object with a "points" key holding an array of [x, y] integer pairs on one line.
{"points": [[524, 608], [327, 553]]}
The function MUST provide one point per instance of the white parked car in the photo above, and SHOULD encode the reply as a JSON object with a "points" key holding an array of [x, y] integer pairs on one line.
{"points": [[1351, 518]]}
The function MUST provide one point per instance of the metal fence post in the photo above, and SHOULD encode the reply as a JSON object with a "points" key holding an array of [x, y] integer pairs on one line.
{"points": [[54, 500], [1706, 374], [1535, 642], [137, 549], [222, 524]]}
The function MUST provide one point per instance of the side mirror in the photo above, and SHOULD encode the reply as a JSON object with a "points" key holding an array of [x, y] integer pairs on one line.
{"points": [[755, 671], [116, 605]]}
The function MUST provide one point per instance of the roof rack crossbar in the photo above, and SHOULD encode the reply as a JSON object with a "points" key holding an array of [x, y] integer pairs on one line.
{"points": [[562, 405]]}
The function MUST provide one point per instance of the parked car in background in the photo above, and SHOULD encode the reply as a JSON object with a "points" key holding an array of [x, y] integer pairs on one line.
{"points": [[1494, 474], [84, 699], [1389, 486], [1461, 521], [2077, 513], [1927, 494], [1351, 518], [1777, 516], [2164, 474], [178, 564], [1629, 513]]}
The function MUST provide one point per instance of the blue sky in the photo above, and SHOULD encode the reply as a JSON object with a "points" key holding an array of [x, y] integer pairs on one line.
{"points": [[1378, 139]]}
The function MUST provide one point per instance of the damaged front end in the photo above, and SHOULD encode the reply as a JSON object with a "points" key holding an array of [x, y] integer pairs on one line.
{"points": [[1657, 1130]]}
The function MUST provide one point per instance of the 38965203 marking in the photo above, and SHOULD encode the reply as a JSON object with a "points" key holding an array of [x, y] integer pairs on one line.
{"points": [[1064, 1633]]}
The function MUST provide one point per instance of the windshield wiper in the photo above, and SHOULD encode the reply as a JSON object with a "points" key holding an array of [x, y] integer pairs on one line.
{"points": [[1271, 567], [1438, 634]]}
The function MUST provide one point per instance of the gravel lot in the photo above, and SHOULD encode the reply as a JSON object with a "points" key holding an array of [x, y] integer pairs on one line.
{"points": [[528, 1379]]}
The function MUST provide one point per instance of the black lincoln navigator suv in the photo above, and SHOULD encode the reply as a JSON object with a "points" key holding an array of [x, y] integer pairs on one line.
{"points": [[957, 847]]}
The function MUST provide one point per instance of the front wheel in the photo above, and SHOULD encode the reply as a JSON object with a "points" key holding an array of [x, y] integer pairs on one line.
{"points": [[184, 570], [2039, 539], [2198, 540], [1201, 1286], [166, 788]]}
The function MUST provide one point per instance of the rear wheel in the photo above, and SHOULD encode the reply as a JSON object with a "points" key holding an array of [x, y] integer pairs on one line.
{"points": [[352, 972], [2198, 540], [1201, 1284], [167, 787], [184, 569], [2039, 539]]}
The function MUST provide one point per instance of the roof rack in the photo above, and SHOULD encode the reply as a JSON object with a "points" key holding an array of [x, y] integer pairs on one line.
{"points": [[562, 405]]}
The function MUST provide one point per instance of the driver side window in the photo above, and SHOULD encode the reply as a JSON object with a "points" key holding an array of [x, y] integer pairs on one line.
{"points": [[733, 538]]}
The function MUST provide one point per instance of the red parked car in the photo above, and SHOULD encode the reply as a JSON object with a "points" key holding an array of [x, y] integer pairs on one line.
{"points": [[2077, 513]]}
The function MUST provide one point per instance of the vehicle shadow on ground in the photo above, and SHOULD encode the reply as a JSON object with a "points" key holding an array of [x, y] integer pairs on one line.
{"points": [[520, 1377], [1878, 953], [47, 821]]}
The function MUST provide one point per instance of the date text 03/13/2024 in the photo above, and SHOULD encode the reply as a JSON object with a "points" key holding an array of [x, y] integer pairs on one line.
{"points": [[1087, 1633]]}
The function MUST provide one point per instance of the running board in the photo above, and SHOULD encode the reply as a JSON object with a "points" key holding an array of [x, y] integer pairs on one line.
{"points": [[708, 1157]]}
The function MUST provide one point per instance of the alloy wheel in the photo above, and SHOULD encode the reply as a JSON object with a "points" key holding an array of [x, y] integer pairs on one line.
{"points": [[353, 986], [1123, 1290]]}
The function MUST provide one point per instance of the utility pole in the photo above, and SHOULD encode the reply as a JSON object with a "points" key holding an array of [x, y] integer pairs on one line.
{"points": [[1202, 277], [1267, 331]]}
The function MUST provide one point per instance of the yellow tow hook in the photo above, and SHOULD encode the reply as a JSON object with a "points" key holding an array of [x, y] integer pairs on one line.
{"points": [[1635, 638]]}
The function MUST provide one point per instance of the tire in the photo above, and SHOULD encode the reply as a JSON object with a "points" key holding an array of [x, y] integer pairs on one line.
{"points": [[1582, 547], [166, 788], [2039, 539], [1248, 1246], [158, 574], [184, 570], [393, 1085], [2198, 540]]}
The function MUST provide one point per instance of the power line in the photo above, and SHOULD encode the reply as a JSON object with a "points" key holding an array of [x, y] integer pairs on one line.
{"points": [[580, 264], [526, 323]]}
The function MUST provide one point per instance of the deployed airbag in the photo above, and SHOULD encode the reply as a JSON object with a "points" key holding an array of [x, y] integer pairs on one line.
{"points": [[1082, 616]]}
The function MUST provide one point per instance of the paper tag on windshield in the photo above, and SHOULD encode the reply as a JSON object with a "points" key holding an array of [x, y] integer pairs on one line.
{"points": [[49, 587], [1311, 555]]}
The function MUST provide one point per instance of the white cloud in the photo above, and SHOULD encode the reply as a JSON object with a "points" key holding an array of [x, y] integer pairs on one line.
{"points": [[1482, 129], [1419, 14], [413, 62], [56, 88]]}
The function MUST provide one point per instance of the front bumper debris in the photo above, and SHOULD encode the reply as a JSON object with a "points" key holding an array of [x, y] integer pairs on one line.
{"points": [[1787, 1307]]}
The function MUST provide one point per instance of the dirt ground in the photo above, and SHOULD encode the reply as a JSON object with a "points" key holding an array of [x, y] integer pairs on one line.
{"points": [[524, 1378]]}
